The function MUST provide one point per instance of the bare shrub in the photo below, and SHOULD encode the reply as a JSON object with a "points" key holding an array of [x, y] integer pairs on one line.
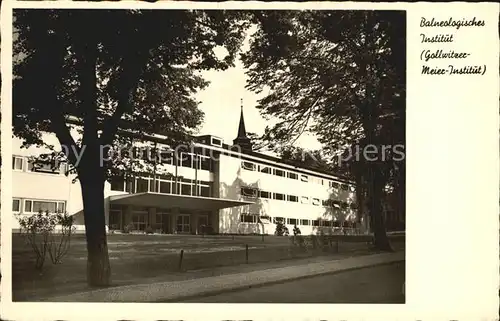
{"points": [[38, 231]]}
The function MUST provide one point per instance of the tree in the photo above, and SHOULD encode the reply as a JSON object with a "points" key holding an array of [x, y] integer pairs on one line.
{"points": [[314, 159], [126, 70], [340, 75]]}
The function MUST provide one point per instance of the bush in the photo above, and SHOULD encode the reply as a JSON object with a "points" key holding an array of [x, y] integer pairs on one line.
{"points": [[149, 230], [59, 249], [281, 229], [39, 230]]}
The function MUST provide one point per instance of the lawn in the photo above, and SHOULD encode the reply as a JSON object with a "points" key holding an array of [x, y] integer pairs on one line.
{"points": [[146, 258]]}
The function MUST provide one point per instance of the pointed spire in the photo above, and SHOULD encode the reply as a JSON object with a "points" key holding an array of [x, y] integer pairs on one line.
{"points": [[241, 128], [242, 139]]}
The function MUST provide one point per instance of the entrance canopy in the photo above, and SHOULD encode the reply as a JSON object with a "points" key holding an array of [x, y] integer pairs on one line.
{"points": [[173, 201]]}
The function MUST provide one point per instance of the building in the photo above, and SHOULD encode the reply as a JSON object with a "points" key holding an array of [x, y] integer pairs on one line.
{"points": [[213, 186]]}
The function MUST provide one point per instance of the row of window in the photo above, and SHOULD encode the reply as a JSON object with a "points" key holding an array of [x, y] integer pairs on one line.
{"points": [[292, 175], [254, 193], [201, 162], [31, 206], [255, 218], [21, 164], [162, 184], [185, 159]]}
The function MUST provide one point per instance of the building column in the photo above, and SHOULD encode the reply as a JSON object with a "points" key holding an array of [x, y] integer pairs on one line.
{"points": [[173, 216], [214, 220]]}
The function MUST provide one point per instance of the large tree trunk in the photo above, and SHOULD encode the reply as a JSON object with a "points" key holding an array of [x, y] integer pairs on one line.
{"points": [[375, 196], [98, 268]]}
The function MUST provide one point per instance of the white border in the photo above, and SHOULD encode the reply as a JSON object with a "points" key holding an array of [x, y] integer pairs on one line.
{"points": [[452, 186]]}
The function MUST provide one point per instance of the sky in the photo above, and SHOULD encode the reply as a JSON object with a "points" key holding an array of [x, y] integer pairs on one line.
{"points": [[221, 102]]}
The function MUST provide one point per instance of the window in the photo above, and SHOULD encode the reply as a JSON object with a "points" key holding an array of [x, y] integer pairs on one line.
{"points": [[45, 166], [249, 192], [265, 169], [292, 198], [304, 200], [304, 178], [205, 163], [130, 185], [344, 187], [17, 163], [246, 218], [185, 189], [315, 223], [139, 221], [264, 219], [291, 221], [183, 224], [142, 185], [61, 207], [304, 222], [216, 142], [315, 201], [279, 196], [35, 206], [154, 185], [292, 175], [205, 191], [279, 172], [278, 219], [335, 185], [248, 166], [165, 187], [186, 160], [264, 194], [16, 205], [117, 183], [327, 223]]}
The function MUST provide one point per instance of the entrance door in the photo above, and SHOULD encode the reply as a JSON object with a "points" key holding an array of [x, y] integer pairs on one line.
{"points": [[183, 223], [115, 219], [163, 222], [140, 220]]}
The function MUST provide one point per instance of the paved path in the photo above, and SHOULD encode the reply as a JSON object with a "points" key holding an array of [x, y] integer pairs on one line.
{"points": [[180, 290], [379, 284]]}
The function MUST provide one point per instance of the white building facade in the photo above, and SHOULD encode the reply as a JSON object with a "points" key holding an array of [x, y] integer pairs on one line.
{"points": [[212, 188]]}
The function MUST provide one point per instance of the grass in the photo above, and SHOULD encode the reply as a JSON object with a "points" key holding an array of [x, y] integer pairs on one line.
{"points": [[146, 258]]}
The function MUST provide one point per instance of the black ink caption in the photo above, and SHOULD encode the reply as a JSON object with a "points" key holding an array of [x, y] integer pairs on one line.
{"points": [[458, 65]]}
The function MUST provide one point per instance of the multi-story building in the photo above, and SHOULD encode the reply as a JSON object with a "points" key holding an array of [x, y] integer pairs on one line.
{"points": [[226, 188]]}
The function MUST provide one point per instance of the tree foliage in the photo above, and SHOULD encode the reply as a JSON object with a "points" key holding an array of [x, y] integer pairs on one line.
{"points": [[141, 70], [340, 75], [113, 72]]}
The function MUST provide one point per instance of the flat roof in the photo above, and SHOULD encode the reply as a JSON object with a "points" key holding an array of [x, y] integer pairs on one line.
{"points": [[175, 201]]}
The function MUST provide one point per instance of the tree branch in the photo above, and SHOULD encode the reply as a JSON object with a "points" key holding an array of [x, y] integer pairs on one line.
{"points": [[128, 83]]}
